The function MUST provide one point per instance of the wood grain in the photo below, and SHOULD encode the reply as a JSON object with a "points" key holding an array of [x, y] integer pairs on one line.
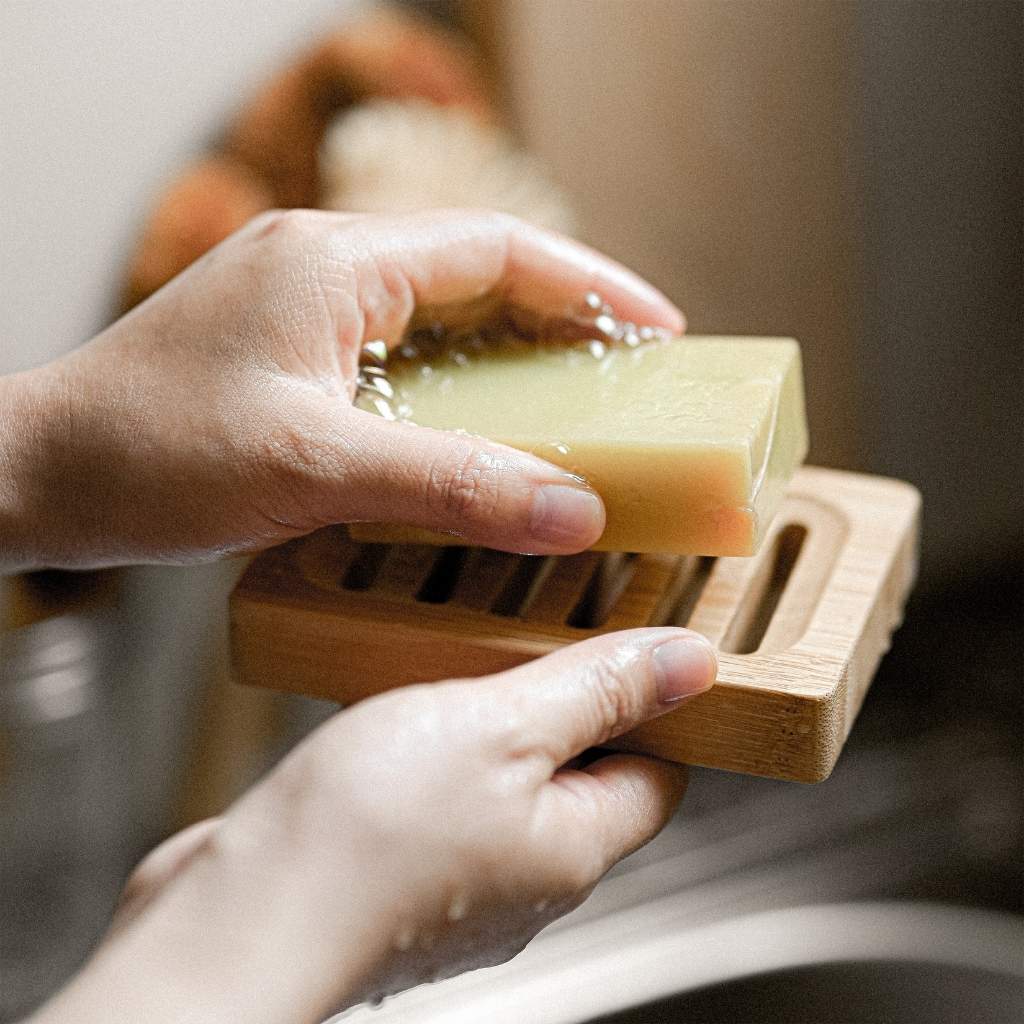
{"points": [[801, 626]]}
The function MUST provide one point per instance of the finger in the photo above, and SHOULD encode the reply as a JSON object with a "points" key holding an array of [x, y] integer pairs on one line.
{"points": [[483, 492], [447, 257], [615, 805], [585, 694]]}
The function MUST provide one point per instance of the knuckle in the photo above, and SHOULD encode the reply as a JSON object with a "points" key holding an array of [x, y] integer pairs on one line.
{"points": [[417, 709], [285, 257], [584, 873], [510, 732], [285, 222], [265, 223], [610, 698], [286, 232], [506, 226], [291, 466], [293, 452], [386, 289], [573, 872], [461, 483]]}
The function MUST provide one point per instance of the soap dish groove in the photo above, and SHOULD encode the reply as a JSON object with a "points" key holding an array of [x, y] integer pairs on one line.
{"points": [[693, 577], [443, 577], [363, 569], [758, 605], [800, 626]]}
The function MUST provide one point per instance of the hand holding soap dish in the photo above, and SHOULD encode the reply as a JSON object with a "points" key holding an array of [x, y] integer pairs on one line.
{"points": [[798, 576]]}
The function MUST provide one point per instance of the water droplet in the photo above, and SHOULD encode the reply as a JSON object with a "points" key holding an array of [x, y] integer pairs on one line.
{"points": [[459, 907], [606, 324], [592, 301], [459, 358], [405, 938], [597, 349], [383, 407], [646, 333], [377, 350], [426, 371], [409, 351], [540, 906]]}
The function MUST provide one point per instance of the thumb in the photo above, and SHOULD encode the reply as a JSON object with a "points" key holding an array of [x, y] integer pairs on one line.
{"points": [[486, 493]]}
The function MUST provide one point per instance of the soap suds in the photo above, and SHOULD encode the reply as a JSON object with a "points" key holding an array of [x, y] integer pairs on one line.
{"points": [[597, 326]]}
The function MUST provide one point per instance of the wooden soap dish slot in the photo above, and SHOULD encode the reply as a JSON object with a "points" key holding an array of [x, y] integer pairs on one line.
{"points": [[800, 626]]}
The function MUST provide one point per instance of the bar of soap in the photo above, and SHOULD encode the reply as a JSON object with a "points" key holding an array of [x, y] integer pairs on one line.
{"points": [[689, 441]]}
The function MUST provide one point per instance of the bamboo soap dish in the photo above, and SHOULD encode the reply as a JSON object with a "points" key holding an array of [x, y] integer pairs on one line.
{"points": [[800, 627]]}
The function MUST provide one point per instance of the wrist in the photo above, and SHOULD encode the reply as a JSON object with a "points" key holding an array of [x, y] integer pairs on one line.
{"points": [[231, 938], [29, 424]]}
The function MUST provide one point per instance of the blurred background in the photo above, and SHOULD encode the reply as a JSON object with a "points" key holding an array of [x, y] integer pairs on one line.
{"points": [[847, 173]]}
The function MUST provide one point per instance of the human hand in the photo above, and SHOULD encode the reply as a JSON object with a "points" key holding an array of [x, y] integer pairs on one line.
{"points": [[423, 832], [217, 416]]}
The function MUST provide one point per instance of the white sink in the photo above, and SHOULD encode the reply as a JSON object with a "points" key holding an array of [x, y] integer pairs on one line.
{"points": [[859, 963]]}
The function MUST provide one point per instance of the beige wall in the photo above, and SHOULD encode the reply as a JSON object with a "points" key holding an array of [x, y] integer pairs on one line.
{"points": [[706, 143], [848, 173], [99, 104]]}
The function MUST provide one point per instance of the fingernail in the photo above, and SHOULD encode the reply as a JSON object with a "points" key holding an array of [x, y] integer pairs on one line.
{"points": [[683, 668], [566, 515]]}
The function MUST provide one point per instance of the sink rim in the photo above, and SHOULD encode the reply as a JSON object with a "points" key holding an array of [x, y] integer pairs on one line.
{"points": [[607, 977]]}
